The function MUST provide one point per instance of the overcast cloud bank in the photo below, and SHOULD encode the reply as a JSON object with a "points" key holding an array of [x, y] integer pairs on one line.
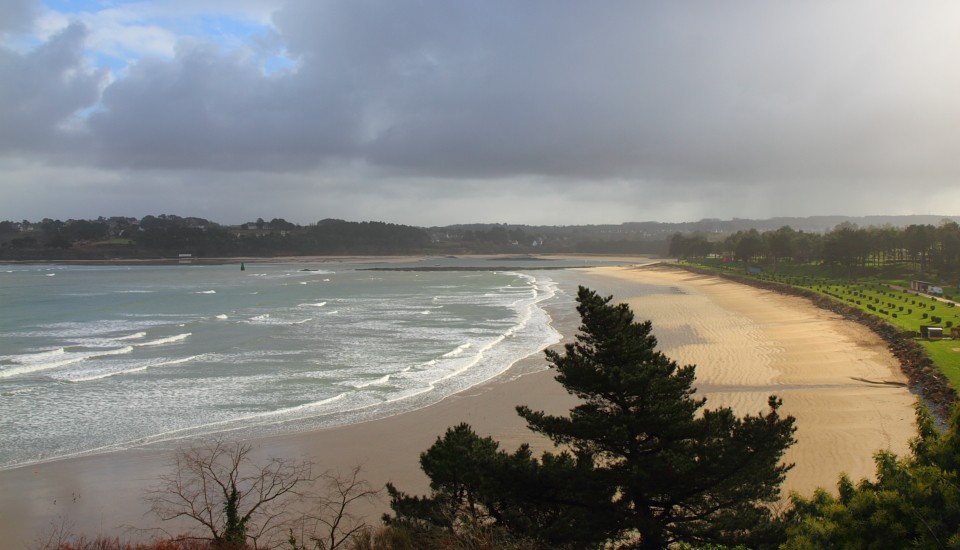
{"points": [[431, 112]]}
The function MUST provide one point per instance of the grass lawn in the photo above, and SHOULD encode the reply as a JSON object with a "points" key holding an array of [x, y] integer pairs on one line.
{"points": [[946, 357]]}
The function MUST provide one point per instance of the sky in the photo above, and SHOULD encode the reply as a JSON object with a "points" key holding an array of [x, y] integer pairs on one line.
{"points": [[436, 112]]}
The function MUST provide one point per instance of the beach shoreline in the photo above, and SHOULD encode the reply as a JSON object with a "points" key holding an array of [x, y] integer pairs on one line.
{"points": [[746, 342]]}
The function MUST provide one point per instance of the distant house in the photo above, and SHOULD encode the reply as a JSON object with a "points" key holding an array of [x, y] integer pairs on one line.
{"points": [[925, 287], [931, 333]]}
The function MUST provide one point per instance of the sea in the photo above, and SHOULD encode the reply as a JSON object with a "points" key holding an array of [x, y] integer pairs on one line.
{"points": [[102, 358]]}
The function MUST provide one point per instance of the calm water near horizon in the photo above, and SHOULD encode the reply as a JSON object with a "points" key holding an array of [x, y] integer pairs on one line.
{"points": [[101, 358]]}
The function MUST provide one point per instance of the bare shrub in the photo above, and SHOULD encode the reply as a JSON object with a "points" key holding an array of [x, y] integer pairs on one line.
{"points": [[236, 502]]}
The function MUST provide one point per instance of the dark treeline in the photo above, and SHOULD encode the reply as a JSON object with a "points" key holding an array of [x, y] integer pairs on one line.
{"points": [[170, 236], [922, 247], [167, 236]]}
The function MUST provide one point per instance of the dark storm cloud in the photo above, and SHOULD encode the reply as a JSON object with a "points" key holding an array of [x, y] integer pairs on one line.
{"points": [[204, 109], [18, 15], [743, 104], [687, 91], [42, 90]]}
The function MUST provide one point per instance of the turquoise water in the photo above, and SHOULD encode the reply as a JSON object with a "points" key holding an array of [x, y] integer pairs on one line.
{"points": [[98, 358]]}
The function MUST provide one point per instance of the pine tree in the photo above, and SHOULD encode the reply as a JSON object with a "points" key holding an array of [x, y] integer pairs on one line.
{"points": [[642, 463], [680, 472]]}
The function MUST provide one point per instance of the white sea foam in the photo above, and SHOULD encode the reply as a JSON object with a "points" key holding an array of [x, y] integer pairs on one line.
{"points": [[232, 423], [367, 383], [318, 304], [206, 292], [221, 317], [167, 340], [36, 357], [78, 332], [460, 349], [81, 377], [39, 364], [267, 319], [135, 336]]}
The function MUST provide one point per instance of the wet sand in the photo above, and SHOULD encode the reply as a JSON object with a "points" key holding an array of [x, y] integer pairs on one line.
{"points": [[835, 376]]}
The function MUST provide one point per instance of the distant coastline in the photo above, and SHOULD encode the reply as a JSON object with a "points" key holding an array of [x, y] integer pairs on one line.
{"points": [[360, 259]]}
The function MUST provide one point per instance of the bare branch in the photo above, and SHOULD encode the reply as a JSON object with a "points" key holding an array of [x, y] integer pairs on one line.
{"points": [[233, 500]]}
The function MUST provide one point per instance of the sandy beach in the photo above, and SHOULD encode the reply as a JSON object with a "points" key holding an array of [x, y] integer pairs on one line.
{"points": [[836, 377]]}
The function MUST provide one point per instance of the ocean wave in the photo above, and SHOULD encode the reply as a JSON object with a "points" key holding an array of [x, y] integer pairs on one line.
{"points": [[318, 304], [39, 364], [167, 340], [221, 317], [135, 336], [367, 383], [205, 292], [267, 319], [460, 349], [229, 424], [76, 378], [38, 356]]}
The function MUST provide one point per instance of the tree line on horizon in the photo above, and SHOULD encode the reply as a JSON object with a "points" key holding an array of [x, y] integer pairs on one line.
{"points": [[922, 247], [170, 236], [167, 236]]}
